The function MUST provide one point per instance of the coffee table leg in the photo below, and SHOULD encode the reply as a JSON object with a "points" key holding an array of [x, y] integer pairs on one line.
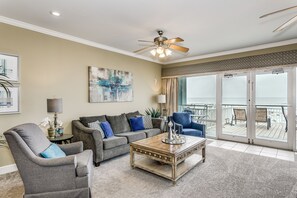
{"points": [[174, 167], [203, 154], [131, 157]]}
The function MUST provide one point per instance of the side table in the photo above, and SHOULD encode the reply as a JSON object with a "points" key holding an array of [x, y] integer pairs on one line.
{"points": [[66, 139]]}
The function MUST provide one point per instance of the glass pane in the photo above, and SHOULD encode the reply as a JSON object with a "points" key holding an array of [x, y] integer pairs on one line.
{"points": [[271, 106], [197, 95], [234, 109]]}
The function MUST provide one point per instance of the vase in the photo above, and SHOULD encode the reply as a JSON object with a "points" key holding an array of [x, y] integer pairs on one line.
{"points": [[51, 132]]}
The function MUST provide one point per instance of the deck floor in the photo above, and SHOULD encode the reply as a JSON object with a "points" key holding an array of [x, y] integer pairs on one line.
{"points": [[276, 132]]}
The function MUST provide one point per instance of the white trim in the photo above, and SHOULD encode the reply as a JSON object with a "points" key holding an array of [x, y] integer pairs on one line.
{"points": [[235, 51], [71, 38], [8, 169], [124, 52]]}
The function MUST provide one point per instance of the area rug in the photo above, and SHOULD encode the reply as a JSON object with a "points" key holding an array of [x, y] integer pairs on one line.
{"points": [[225, 173]]}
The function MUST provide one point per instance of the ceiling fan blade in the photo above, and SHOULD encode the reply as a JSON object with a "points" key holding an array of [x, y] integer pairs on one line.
{"points": [[145, 48], [145, 41], [289, 8], [173, 40], [286, 24], [179, 48]]}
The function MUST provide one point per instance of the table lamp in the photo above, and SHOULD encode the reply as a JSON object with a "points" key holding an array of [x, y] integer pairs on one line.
{"points": [[55, 106], [161, 99]]}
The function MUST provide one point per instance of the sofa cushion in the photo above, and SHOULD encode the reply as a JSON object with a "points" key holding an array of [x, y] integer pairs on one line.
{"points": [[84, 163], [114, 142], [192, 132], [96, 125], [136, 123], [147, 122], [132, 136], [119, 123], [132, 114], [151, 132], [33, 136], [86, 120], [106, 129]]}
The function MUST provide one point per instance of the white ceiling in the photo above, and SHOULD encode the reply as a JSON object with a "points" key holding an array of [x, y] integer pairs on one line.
{"points": [[207, 26]]}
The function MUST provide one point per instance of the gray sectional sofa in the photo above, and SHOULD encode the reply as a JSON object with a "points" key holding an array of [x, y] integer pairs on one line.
{"points": [[106, 148]]}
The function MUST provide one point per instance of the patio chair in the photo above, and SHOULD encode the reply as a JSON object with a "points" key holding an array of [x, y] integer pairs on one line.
{"points": [[239, 114], [261, 116]]}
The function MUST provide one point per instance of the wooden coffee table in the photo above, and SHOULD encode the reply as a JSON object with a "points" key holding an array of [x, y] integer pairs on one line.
{"points": [[169, 161]]}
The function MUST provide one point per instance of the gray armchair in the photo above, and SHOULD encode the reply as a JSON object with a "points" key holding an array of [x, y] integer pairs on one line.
{"points": [[68, 176]]}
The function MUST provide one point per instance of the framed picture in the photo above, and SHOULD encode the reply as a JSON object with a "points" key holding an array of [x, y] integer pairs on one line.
{"points": [[9, 105], [9, 67], [109, 85]]}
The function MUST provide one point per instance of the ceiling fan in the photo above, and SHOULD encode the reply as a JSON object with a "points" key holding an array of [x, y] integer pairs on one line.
{"points": [[162, 46], [287, 23]]}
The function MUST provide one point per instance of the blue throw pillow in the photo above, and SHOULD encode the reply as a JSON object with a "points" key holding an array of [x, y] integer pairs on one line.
{"points": [[53, 151], [137, 123], [106, 129]]}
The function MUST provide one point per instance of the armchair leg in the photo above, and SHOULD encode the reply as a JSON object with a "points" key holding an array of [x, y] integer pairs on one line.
{"points": [[97, 164]]}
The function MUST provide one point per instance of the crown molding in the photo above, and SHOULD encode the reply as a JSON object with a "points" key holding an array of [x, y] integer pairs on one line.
{"points": [[240, 50], [39, 29], [127, 53]]}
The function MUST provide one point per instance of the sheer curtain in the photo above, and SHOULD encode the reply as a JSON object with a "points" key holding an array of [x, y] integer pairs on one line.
{"points": [[170, 89]]}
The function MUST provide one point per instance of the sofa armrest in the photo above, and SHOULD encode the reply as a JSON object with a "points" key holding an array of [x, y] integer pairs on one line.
{"points": [[157, 122], [73, 148], [91, 139], [198, 126]]}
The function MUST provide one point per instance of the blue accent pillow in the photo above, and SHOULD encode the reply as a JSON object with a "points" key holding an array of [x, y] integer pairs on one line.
{"points": [[106, 129], [53, 151], [137, 123]]}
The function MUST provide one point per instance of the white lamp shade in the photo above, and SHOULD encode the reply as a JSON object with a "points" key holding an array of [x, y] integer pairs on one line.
{"points": [[161, 98]]}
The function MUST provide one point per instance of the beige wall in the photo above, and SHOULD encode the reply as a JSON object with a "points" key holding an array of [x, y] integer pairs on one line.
{"points": [[53, 67]]}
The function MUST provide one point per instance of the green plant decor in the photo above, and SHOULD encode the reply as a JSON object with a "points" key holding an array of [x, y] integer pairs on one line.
{"points": [[154, 113], [4, 82]]}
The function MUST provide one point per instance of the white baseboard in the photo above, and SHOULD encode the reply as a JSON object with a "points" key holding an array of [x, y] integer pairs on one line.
{"points": [[8, 169]]}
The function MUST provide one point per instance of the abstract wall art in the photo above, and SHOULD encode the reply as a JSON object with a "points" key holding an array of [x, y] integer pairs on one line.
{"points": [[109, 85]]}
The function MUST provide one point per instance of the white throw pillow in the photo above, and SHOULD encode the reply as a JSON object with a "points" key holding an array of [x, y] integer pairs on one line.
{"points": [[96, 125], [147, 122]]}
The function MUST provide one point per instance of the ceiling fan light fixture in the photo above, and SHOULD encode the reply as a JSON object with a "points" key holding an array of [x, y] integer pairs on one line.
{"points": [[153, 52], [160, 50], [168, 52], [162, 55]]}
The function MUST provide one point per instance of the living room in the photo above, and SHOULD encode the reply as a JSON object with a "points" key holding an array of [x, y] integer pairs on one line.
{"points": [[53, 62]]}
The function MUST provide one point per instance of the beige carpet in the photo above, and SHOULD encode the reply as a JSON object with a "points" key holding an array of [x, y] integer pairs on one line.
{"points": [[224, 174]]}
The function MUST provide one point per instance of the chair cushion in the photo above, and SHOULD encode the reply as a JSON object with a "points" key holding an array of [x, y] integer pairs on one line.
{"points": [[132, 136], [147, 122], [84, 163], [136, 123], [119, 123], [86, 120], [114, 142], [53, 151], [182, 118], [192, 132], [151, 132], [106, 129], [96, 125], [33, 136]]}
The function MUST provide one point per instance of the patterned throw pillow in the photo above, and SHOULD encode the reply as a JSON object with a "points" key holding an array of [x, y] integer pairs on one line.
{"points": [[147, 122], [96, 125]]}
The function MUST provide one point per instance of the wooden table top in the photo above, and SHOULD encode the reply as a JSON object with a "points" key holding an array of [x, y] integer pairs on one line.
{"points": [[155, 144]]}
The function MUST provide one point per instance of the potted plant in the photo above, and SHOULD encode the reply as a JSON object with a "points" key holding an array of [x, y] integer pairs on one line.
{"points": [[154, 113]]}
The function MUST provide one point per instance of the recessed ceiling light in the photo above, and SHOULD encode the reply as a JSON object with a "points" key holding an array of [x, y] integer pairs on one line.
{"points": [[55, 13]]}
